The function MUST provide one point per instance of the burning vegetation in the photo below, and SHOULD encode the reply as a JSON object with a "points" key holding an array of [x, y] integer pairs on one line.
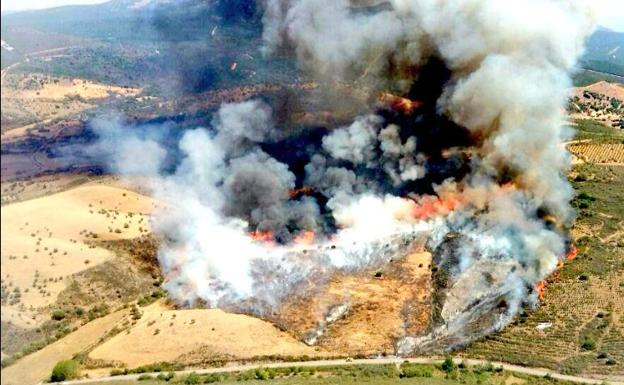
{"points": [[459, 155]]}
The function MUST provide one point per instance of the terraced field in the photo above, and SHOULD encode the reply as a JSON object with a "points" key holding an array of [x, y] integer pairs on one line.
{"points": [[601, 153], [584, 300]]}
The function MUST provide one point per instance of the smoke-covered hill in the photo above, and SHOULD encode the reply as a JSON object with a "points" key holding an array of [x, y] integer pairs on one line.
{"points": [[158, 21], [605, 52], [189, 46]]}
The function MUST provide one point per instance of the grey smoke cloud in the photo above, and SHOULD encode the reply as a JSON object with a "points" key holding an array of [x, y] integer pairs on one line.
{"points": [[509, 64]]}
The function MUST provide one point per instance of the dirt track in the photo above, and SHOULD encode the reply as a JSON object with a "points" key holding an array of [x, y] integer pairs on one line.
{"points": [[540, 372]]}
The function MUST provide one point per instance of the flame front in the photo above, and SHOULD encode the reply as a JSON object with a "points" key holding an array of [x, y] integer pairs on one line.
{"points": [[540, 289], [305, 238], [572, 253], [399, 103], [262, 236]]}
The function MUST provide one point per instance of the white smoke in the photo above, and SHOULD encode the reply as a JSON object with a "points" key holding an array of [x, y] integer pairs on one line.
{"points": [[508, 63]]}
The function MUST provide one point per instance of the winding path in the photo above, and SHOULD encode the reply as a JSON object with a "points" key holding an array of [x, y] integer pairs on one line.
{"points": [[540, 372]]}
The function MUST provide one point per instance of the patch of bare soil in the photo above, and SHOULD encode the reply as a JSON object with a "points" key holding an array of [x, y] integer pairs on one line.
{"points": [[364, 314]]}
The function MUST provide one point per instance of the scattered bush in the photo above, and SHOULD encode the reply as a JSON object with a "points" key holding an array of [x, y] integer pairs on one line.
{"points": [[58, 315], [144, 377]]}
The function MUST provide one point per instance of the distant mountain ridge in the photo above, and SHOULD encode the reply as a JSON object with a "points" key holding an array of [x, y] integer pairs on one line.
{"points": [[187, 20], [604, 52]]}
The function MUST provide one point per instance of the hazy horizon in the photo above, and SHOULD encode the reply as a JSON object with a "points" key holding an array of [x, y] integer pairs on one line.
{"points": [[610, 12]]}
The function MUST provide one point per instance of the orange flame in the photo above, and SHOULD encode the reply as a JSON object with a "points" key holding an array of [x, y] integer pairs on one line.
{"points": [[429, 206], [540, 289], [399, 103], [572, 253], [262, 236], [305, 237], [298, 192]]}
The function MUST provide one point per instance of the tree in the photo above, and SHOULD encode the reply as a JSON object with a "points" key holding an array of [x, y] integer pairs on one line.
{"points": [[65, 370], [449, 365]]}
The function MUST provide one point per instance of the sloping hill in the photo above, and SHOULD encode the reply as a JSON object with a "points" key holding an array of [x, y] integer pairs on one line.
{"points": [[605, 52]]}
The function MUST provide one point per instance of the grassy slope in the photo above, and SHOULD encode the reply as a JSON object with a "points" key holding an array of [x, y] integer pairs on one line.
{"points": [[584, 299]]}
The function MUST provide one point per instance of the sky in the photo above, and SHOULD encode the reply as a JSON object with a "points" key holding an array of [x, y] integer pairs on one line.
{"points": [[611, 12]]}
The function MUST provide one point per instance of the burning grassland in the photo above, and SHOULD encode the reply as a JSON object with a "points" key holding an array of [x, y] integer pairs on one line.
{"points": [[460, 148]]}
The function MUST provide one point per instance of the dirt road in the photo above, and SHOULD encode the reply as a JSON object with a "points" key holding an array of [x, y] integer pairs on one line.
{"points": [[540, 372]]}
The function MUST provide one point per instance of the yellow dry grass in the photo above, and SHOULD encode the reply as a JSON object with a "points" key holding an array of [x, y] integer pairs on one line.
{"points": [[164, 335], [68, 87], [612, 90], [44, 240], [37, 366], [40, 98]]}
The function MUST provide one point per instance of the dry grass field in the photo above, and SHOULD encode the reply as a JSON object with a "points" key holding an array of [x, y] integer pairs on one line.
{"points": [[195, 335], [47, 240], [30, 100]]}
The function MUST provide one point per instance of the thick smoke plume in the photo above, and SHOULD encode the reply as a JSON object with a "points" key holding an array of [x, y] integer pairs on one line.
{"points": [[471, 159]]}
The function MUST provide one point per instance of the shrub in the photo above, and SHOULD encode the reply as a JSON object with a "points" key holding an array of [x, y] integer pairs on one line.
{"points": [[118, 372], [586, 197], [58, 315], [144, 377], [209, 379], [449, 365], [192, 379], [65, 370], [487, 367], [417, 371], [588, 344], [264, 374]]}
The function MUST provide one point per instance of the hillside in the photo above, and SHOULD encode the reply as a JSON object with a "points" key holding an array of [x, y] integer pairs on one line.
{"points": [[605, 52], [282, 214]]}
